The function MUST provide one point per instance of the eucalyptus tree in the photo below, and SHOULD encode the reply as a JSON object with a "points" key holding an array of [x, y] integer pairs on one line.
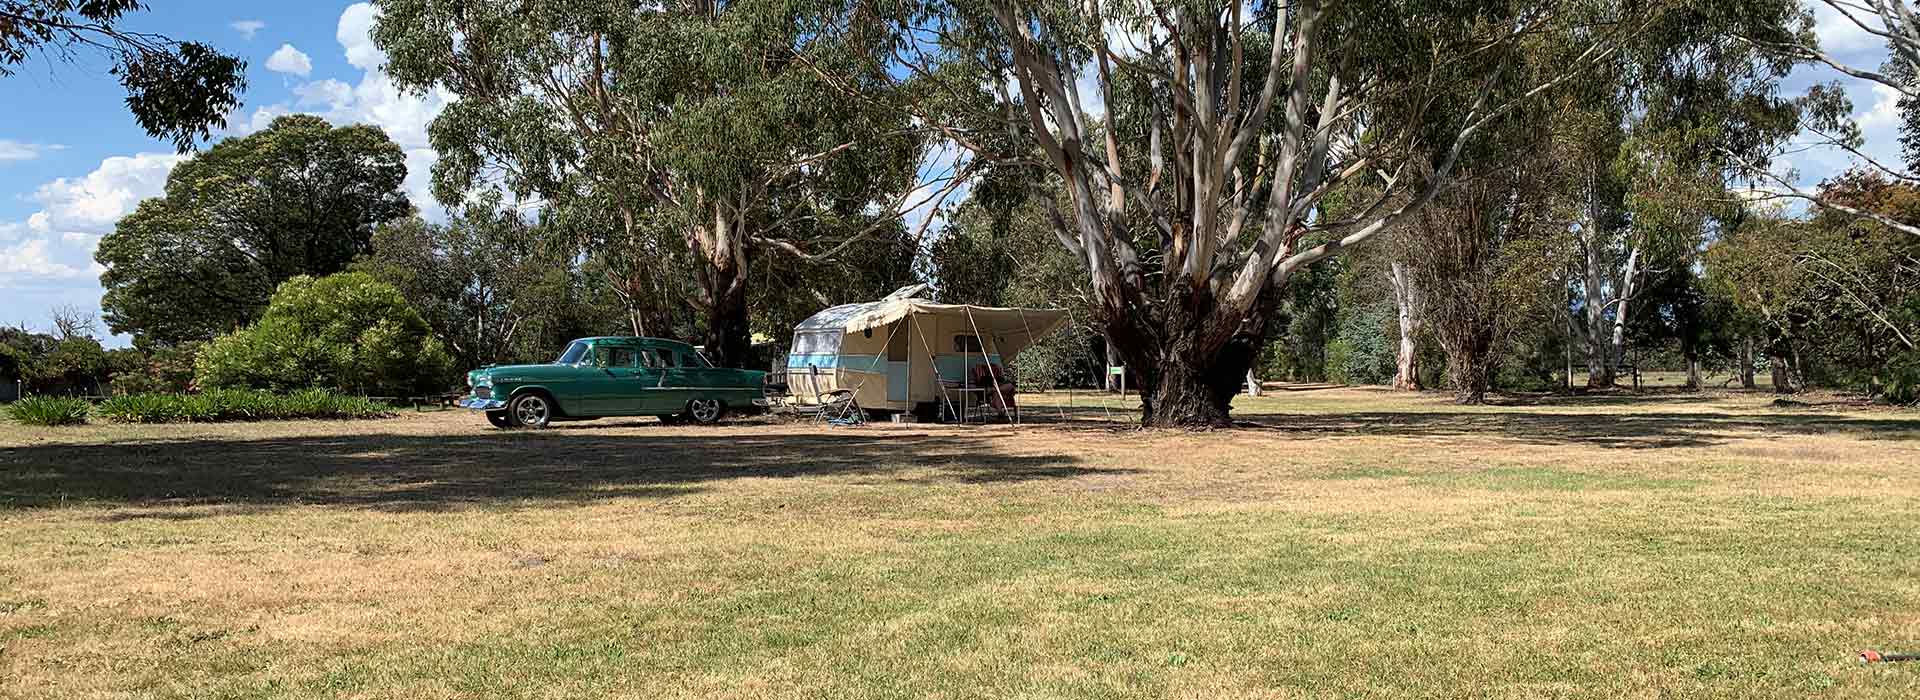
{"points": [[485, 281], [1834, 294], [1212, 150], [715, 121], [1410, 306], [1662, 135], [177, 90], [1483, 256], [1826, 114]]}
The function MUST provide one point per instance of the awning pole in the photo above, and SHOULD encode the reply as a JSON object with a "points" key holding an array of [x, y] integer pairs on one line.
{"points": [[989, 360]]}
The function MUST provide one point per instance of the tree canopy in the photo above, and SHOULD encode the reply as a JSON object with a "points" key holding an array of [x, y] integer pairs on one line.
{"points": [[178, 91], [706, 132], [301, 197]]}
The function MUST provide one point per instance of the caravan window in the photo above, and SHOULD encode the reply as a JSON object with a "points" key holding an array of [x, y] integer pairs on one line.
{"points": [[816, 342], [968, 344]]}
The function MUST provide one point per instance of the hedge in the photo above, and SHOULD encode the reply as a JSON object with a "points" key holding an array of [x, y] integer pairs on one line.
{"points": [[219, 405]]}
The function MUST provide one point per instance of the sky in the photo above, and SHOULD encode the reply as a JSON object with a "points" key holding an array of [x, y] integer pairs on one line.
{"points": [[73, 162]]}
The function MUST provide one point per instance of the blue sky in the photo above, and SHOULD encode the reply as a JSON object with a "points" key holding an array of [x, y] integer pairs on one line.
{"points": [[72, 161]]}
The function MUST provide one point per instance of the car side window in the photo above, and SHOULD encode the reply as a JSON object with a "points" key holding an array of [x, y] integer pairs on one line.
{"points": [[613, 357], [663, 358]]}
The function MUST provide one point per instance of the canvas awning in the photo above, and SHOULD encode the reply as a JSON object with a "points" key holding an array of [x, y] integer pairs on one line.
{"points": [[1012, 329]]}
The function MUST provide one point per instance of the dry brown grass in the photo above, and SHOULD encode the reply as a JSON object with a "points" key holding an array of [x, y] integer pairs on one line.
{"points": [[1345, 543]]}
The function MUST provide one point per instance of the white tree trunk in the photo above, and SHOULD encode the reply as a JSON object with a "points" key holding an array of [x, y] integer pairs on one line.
{"points": [[1406, 299], [1629, 274]]}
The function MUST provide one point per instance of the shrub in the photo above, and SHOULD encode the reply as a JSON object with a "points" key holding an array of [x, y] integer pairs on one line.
{"points": [[1364, 352], [50, 410], [164, 370], [348, 332], [220, 405]]}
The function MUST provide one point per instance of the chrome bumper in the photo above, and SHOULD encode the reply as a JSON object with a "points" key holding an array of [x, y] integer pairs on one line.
{"points": [[479, 404]]}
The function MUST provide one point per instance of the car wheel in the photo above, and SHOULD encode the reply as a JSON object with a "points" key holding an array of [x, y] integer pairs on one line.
{"points": [[530, 410], [705, 411], [499, 419]]}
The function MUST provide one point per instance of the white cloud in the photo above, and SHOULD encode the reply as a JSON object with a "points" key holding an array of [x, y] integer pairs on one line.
{"points": [[291, 61], [373, 100], [51, 251], [248, 27], [94, 202], [1841, 36], [31, 258], [355, 34], [324, 92], [11, 150], [1885, 111]]}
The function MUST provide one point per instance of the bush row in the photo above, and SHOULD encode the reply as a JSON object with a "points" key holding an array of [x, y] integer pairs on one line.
{"points": [[238, 405], [205, 407], [49, 410]]}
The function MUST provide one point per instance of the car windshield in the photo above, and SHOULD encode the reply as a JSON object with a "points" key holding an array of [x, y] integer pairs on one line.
{"points": [[575, 352], [697, 359]]}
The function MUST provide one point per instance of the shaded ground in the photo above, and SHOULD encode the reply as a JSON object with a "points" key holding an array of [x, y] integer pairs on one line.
{"points": [[1342, 543], [569, 464]]}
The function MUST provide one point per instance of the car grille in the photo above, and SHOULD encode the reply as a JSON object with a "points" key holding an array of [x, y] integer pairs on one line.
{"points": [[483, 392]]}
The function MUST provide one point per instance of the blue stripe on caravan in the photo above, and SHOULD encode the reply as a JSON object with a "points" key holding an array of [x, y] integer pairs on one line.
{"points": [[828, 360]]}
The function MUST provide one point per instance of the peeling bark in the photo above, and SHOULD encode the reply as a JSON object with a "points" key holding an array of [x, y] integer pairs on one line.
{"points": [[1406, 299]]}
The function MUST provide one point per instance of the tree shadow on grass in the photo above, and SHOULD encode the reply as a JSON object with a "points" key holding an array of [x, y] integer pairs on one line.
{"points": [[415, 472], [1625, 431]]}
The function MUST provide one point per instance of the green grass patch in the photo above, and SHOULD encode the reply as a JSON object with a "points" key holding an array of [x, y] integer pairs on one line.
{"points": [[221, 405], [50, 410], [1554, 479]]}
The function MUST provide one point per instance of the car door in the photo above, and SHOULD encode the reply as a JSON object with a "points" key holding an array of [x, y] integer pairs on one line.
{"points": [[618, 387], [700, 379], [670, 392]]}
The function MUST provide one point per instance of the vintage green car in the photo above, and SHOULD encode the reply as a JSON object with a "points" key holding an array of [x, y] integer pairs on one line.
{"points": [[614, 376]]}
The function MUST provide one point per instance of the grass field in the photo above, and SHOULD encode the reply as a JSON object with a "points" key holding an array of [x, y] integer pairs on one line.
{"points": [[1344, 543]]}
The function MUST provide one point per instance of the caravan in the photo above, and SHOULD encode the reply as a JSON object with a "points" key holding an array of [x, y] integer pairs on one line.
{"points": [[904, 354]]}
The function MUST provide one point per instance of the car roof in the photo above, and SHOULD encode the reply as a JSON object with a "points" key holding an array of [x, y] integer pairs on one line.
{"points": [[636, 340]]}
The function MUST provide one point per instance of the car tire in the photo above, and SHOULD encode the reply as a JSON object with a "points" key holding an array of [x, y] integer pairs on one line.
{"points": [[705, 411], [499, 419], [530, 410]]}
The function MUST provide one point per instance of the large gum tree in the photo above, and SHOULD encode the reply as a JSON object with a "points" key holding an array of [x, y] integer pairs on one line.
{"points": [[702, 131], [1208, 151]]}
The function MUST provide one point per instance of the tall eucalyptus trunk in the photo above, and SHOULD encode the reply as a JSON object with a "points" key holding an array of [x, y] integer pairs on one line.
{"points": [[1617, 348], [1406, 374], [1747, 360], [721, 248], [1229, 168]]}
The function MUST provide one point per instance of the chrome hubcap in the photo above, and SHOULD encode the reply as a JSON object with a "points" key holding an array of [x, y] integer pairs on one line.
{"points": [[705, 409], [531, 411]]}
